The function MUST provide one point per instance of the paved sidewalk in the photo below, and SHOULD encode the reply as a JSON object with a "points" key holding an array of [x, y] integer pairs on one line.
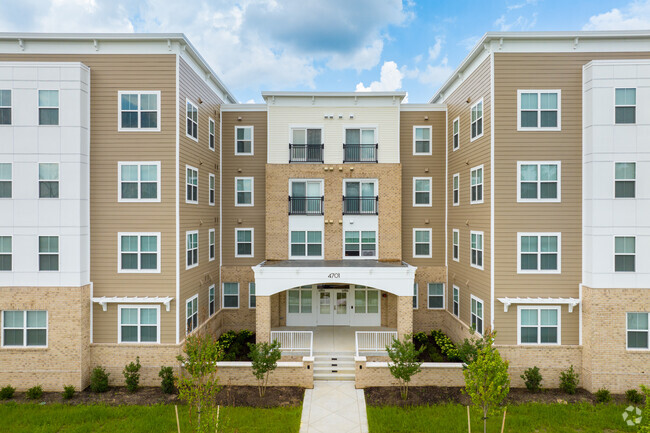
{"points": [[334, 406]]}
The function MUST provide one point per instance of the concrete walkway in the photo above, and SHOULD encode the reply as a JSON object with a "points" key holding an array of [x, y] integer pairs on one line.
{"points": [[334, 406]]}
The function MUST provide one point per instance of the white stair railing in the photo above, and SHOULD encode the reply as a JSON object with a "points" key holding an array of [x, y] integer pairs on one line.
{"points": [[294, 341], [373, 341]]}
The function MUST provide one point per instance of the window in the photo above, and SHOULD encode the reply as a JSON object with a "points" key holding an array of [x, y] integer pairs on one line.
{"points": [[139, 111], [436, 296], [637, 331], [299, 301], [306, 244], [624, 180], [456, 190], [361, 145], [360, 197], [212, 307], [421, 191], [192, 183], [421, 140], [360, 244], [48, 107], [5, 253], [230, 295], [139, 252], [243, 140], [48, 253], [5, 179], [48, 180], [625, 106], [455, 244], [244, 191], [455, 307], [192, 314], [5, 107], [192, 115], [456, 134], [366, 301], [306, 197], [539, 325], [252, 301], [422, 243], [211, 180], [139, 181], [538, 181], [211, 133], [139, 324], [624, 253], [476, 249], [24, 328], [476, 185], [477, 314], [539, 253], [539, 110], [415, 296], [244, 243], [192, 250], [211, 245], [477, 120]]}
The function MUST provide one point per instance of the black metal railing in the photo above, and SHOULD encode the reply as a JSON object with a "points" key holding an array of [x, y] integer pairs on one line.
{"points": [[306, 152], [306, 205], [360, 152], [360, 205]]}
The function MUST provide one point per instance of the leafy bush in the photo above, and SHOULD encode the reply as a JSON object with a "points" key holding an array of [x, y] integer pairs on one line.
{"points": [[569, 380], [447, 347], [265, 359], [533, 379], [68, 392], [35, 392], [633, 396], [166, 375], [234, 345], [404, 362], [7, 392], [603, 395], [131, 374], [99, 380]]}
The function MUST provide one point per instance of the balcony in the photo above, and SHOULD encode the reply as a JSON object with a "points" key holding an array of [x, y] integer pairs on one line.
{"points": [[360, 152], [306, 153], [360, 205], [306, 205]]}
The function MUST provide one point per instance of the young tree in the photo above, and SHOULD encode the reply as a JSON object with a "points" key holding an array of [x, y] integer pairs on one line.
{"points": [[265, 359], [404, 363], [486, 379]]}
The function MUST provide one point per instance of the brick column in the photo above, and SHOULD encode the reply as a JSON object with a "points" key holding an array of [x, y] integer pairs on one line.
{"points": [[263, 319], [404, 316]]}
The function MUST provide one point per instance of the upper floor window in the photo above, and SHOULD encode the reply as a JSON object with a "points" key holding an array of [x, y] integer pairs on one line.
{"points": [[360, 244], [5, 253], [24, 328], [539, 325], [306, 197], [456, 301], [48, 180], [5, 107], [211, 244], [477, 314], [192, 249], [244, 242], [539, 181], [212, 303], [637, 331], [252, 300], [436, 296], [139, 252], [192, 184], [624, 253], [192, 313], [5, 179], [539, 110], [230, 295], [422, 243], [211, 190], [415, 296], [243, 140], [360, 197], [306, 244], [476, 249], [48, 253], [139, 181], [456, 189], [211, 133], [306, 145], [456, 134], [421, 191], [192, 117], [139, 111], [539, 252], [139, 324], [421, 140], [360, 145], [477, 120], [48, 107], [244, 191], [624, 180], [476, 185], [455, 244], [625, 105]]}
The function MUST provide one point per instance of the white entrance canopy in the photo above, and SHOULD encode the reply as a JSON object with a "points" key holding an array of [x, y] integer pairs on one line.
{"points": [[571, 302], [272, 277]]}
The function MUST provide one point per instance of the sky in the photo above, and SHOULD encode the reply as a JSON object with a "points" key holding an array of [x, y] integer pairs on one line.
{"points": [[326, 45]]}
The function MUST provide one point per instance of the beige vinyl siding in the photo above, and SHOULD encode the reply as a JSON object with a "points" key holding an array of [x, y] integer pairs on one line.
{"points": [[106, 325]]}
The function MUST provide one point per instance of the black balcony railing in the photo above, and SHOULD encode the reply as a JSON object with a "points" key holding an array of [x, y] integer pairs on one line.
{"points": [[306, 152], [306, 205], [360, 205], [360, 152]]}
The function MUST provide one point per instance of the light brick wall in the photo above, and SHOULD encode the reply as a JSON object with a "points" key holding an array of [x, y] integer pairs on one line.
{"points": [[263, 319], [404, 316], [242, 317], [551, 360], [424, 319], [284, 375], [431, 374]]}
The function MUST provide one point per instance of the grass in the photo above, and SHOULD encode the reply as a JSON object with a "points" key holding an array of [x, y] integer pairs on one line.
{"points": [[34, 418], [529, 417]]}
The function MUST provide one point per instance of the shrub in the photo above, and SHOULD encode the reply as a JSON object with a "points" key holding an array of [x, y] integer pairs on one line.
{"points": [[468, 351], [404, 362], [603, 395], [166, 375], [265, 358], [35, 392], [234, 345], [131, 374], [447, 347], [533, 379], [99, 380], [7, 392], [569, 380], [633, 396], [68, 392]]}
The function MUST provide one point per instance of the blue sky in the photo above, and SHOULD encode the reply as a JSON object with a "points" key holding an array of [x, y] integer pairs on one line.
{"points": [[341, 45]]}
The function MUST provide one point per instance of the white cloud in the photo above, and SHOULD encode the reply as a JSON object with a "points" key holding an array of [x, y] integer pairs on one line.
{"points": [[434, 51], [390, 80], [634, 16], [469, 42], [520, 23], [435, 75], [365, 58], [521, 5]]}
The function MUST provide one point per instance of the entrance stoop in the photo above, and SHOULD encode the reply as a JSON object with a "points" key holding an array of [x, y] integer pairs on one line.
{"points": [[334, 366]]}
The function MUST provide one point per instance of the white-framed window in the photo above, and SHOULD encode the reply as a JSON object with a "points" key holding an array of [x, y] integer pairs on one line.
{"points": [[211, 189], [539, 110], [244, 187], [456, 134], [211, 129], [366, 301], [48, 253], [436, 296], [624, 253], [421, 191], [244, 239], [455, 244], [476, 249], [6, 252], [455, 301], [456, 189], [476, 126], [138, 323], [6, 179], [230, 295], [211, 244], [539, 253], [48, 180], [476, 185], [539, 181], [244, 140], [138, 253], [538, 324], [212, 303], [415, 296], [48, 107], [192, 184], [252, 300], [361, 244], [477, 314], [138, 181], [138, 110], [192, 117], [299, 301], [422, 140], [191, 314], [625, 106], [624, 180], [5, 107], [306, 197], [192, 249], [24, 328], [637, 331], [422, 243], [306, 244]]}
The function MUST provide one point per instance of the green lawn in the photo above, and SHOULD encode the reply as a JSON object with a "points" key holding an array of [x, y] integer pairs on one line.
{"points": [[59, 418], [529, 417]]}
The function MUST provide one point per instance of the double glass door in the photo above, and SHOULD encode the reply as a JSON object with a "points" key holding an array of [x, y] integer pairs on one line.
{"points": [[333, 307]]}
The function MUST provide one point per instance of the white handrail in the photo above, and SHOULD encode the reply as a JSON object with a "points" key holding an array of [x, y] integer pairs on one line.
{"points": [[294, 341], [373, 341]]}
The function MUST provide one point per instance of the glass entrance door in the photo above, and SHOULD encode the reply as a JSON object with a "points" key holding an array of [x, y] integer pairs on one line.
{"points": [[333, 307], [341, 315], [325, 316]]}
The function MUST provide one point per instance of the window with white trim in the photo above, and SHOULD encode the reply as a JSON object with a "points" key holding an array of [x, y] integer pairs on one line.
{"points": [[139, 252], [139, 323], [48, 107], [360, 244], [539, 110], [192, 124], [366, 301], [48, 253], [299, 301], [624, 253], [422, 243], [415, 296], [539, 252], [48, 180], [211, 189], [211, 133], [306, 243], [244, 140], [252, 300], [539, 325], [5, 253], [192, 249], [6, 179], [637, 331], [211, 244], [455, 301], [139, 111], [625, 106], [477, 315], [455, 244], [192, 185], [230, 295], [456, 134], [436, 296], [191, 314], [5, 107], [456, 189], [476, 126], [212, 305], [139, 181], [421, 191], [476, 185], [476, 249], [624, 180], [539, 181], [421, 140], [244, 242], [24, 328], [244, 191]]}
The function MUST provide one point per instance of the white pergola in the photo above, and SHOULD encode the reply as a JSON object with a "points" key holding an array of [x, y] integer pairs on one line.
{"points": [[105, 300], [571, 302]]}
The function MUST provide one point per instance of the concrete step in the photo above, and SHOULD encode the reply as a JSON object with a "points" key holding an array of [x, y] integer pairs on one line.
{"points": [[333, 376], [346, 364], [334, 368]]}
